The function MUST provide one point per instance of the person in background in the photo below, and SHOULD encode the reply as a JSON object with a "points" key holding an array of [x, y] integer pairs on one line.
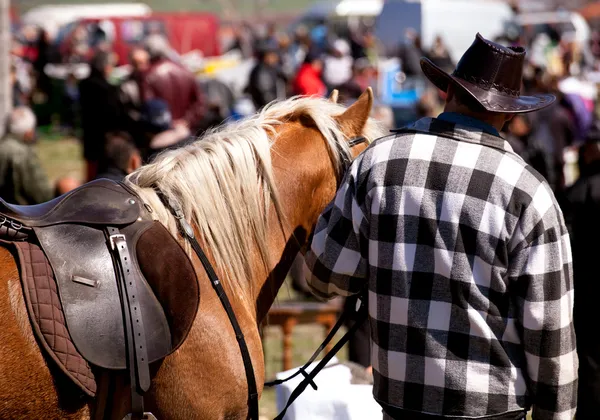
{"points": [[362, 72], [121, 157], [266, 82], [338, 64], [582, 208], [410, 53], [101, 110], [300, 47], [440, 55], [23, 181], [308, 80], [70, 104], [173, 84], [130, 94], [461, 249], [162, 133]]}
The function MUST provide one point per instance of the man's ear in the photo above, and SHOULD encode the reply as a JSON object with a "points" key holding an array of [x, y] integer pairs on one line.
{"points": [[135, 161]]}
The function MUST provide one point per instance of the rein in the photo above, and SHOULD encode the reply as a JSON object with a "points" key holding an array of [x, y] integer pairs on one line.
{"points": [[360, 315]]}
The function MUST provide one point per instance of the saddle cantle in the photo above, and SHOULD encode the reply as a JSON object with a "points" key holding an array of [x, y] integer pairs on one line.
{"points": [[72, 287]]}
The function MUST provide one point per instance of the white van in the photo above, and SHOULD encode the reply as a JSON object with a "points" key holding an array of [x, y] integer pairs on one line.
{"points": [[52, 17], [456, 21]]}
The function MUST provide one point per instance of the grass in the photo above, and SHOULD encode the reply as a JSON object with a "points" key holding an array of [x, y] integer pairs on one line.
{"points": [[61, 157]]}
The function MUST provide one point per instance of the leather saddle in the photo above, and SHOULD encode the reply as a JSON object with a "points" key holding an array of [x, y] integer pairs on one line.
{"points": [[121, 290]]}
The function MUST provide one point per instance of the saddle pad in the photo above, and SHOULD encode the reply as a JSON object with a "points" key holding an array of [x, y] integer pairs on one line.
{"points": [[47, 316]]}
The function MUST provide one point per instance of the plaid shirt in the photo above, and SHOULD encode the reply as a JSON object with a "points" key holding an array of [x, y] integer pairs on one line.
{"points": [[468, 266]]}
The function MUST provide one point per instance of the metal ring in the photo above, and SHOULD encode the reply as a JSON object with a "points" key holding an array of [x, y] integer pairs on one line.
{"points": [[4, 220], [15, 225]]}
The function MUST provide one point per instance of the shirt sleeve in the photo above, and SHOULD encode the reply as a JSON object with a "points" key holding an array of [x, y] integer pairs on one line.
{"points": [[541, 274], [337, 260]]}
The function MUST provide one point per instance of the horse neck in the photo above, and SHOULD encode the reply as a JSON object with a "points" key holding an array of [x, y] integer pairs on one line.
{"points": [[306, 184]]}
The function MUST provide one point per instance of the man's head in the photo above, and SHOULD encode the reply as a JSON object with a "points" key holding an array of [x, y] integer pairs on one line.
{"points": [[486, 83], [139, 59], [21, 124], [315, 61], [121, 153], [157, 46], [461, 103], [268, 54], [102, 63]]}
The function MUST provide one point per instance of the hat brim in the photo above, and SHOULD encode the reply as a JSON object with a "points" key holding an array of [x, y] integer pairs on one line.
{"points": [[490, 100]]}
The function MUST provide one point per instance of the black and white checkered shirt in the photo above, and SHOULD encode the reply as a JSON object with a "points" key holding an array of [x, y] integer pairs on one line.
{"points": [[468, 266]]}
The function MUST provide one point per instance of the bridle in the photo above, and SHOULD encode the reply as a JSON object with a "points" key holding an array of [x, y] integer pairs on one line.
{"points": [[360, 314]]}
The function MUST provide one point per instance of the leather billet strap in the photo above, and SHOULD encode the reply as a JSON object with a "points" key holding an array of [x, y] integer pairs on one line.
{"points": [[188, 232], [135, 337]]}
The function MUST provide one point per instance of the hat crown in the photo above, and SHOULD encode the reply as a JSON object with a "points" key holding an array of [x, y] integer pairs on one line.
{"points": [[492, 66]]}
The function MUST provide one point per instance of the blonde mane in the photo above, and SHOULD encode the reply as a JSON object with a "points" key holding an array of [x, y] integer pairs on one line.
{"points": [[224, 183]]}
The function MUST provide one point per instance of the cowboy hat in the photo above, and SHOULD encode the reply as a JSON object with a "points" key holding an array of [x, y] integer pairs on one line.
{"points": [[491, 74]]}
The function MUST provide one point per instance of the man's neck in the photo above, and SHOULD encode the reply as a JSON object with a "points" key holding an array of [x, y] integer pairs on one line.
{"points": [[469, 121]]}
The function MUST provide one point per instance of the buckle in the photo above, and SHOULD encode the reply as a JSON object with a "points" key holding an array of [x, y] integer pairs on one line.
{"points": [[113, 238]]}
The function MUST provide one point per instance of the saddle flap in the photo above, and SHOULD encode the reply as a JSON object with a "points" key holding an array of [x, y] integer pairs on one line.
{"points": [[84, 272], [169, 271]]}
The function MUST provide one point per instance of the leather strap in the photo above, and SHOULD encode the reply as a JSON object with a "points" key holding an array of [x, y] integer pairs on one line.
{"points": [[360, 317], [135, 337], [218, 287]]}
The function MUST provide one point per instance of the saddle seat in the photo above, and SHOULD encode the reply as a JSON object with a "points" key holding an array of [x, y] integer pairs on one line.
{"points": [[100, 202], [70, 284]]}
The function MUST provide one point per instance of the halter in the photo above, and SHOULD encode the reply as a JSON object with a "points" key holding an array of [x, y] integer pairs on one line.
{"points": [[188, 233]]}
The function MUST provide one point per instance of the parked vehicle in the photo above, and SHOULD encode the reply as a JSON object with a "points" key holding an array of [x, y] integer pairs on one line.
{"points": [[570, 25], [53, 17], [456, 21], [186, 32]]}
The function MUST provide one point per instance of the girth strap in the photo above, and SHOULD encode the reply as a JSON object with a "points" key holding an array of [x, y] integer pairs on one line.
{"points": [[239, 335], [135, 337]]}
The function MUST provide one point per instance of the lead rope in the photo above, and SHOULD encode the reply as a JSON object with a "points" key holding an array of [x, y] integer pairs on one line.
{"points": [[360, 315], [214, 280]]}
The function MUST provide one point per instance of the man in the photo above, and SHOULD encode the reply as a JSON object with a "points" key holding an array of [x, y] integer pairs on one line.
{"points": [[22, 178], [581, 209], [121, 157], [266, 82], [101, 110], [173, 84], [130, 93], [465, 256]]}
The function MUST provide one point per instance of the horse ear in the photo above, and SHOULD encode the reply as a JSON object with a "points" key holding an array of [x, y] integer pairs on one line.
{"points": [[353, 121], [335, 95]]}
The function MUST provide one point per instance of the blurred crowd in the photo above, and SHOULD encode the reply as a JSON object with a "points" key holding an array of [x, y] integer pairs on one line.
{"points": [[161, 104]]}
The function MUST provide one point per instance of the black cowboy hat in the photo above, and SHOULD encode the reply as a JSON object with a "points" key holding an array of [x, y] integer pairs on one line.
{"points": [[491, 74]]}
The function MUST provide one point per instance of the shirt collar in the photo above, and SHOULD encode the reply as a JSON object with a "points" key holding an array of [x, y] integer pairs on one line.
{"points": [[467, 121], [457, 131]]}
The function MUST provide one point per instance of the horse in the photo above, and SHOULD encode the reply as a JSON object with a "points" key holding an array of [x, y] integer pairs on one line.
{"points": [[253, 191]]}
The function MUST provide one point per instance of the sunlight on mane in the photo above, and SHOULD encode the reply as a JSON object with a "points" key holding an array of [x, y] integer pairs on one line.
{"points": [[224, 182]]}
